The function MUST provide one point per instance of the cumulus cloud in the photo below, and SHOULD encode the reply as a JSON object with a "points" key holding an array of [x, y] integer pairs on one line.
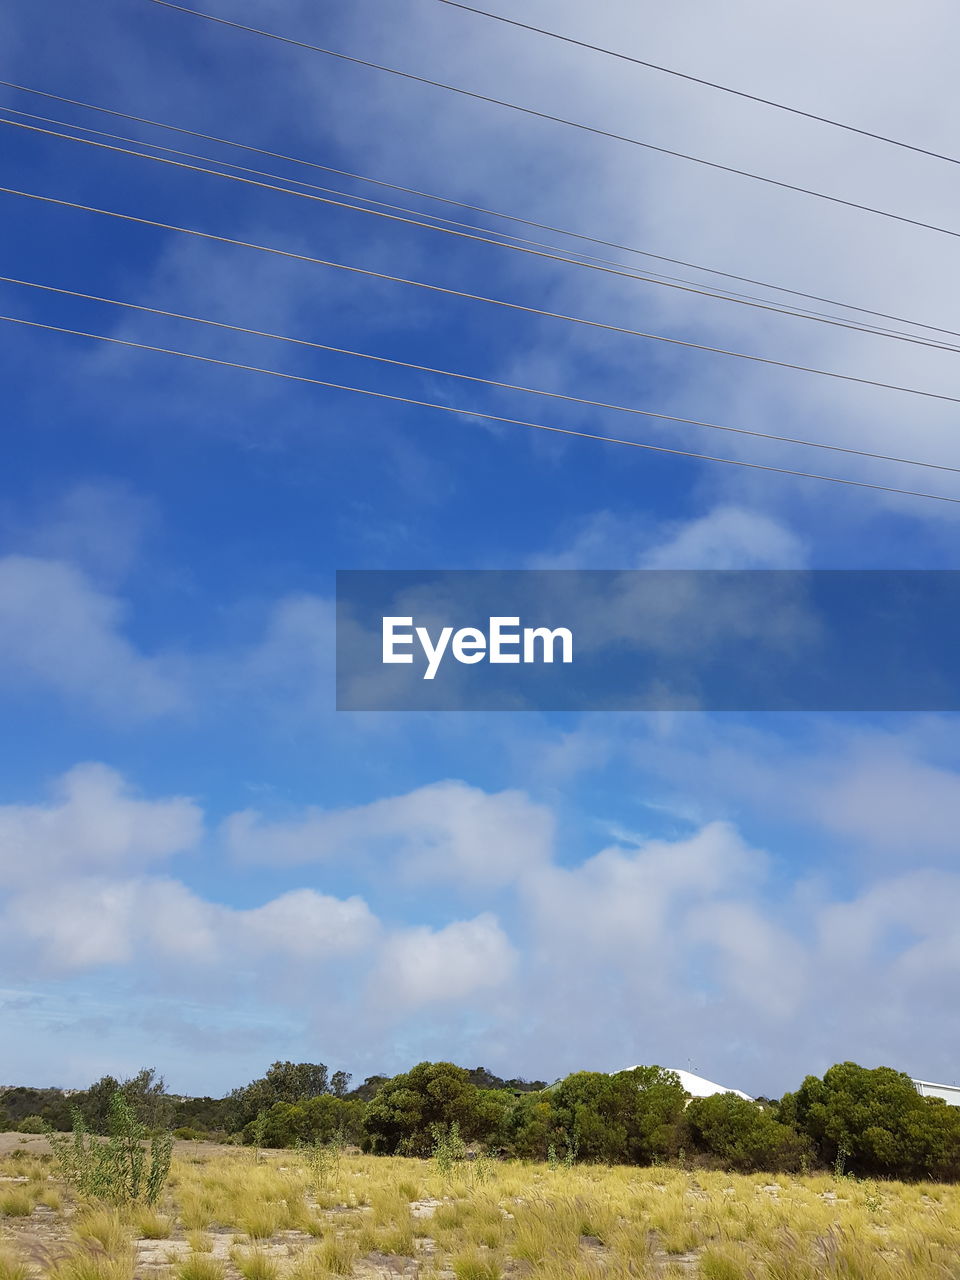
{"points": [[306, 924], [886, 797], [96, 824], [59, 632], [656, 949], [727, 537], [422, 966], [447, 831]]}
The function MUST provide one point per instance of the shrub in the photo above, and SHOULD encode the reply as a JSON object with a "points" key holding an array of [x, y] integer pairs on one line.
{"points": [[744, 1136], [32, 1124], [122, 1169], [874, 1123], [631, 1117], [402, 1115]]}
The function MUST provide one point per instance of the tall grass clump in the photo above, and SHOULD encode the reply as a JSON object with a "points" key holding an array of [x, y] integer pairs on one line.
{"points": [[92, 1262], [255, 1264], [18, 1202], [200, 1266], [13, 1268]]}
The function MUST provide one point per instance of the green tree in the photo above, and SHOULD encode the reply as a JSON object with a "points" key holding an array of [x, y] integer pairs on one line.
{"points": [[318, 1120], [533, 1127], [744, 1136], [876, 1118], [95, 1103], [283, 1082], [147, 1095], [404, 1112], [18, 1102], [145, 1092], [340, 1084], [630, 1117]]}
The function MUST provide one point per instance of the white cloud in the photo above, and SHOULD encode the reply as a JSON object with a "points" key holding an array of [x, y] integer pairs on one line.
{"points": [[422, 966], [96, 525], [96, 825], [59, 632], [447, 831], [727, 537], [700, 945], [887, 798], [628, 905], [308, 925]]}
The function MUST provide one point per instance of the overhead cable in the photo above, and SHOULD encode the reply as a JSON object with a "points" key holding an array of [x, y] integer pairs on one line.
{"points": [[562, 120], [447, 291], [475, 413]]}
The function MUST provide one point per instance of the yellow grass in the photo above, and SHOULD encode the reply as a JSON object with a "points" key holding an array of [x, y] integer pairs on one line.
{"points": [[584, 1223]]}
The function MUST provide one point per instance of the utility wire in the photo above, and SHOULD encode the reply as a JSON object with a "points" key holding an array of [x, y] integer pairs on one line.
{"points": [[575, 255], [710, 84], [570, 124], [476, 297], [553, 253], [472, 208], [474, 413], [467, 377]]}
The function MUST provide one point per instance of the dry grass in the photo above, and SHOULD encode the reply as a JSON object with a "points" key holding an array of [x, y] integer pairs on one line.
{"points": [[585, 1223], [17, 1202]]}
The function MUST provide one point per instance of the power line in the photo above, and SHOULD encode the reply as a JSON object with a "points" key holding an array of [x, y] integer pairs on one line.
{"points": [[477, 297], [468, 377], [551, 253], [503, 237], [472, 208], [710, 84], [570, 124], [475, 413]]}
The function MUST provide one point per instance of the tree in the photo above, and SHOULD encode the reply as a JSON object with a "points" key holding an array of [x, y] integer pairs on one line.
{"points": [[876, 1122], [369, 1089], [485, 1079], [145, 1092], [630, 1117], [19, 1102], [147, 1095], [95, 1103], [743, 1136], [320, 1119], [533, 1127], [404, 1113], [283, 1082], [340, 1083]]}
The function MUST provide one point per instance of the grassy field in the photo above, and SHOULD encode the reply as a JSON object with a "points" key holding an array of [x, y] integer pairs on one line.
{"points": [[232, 1213]]}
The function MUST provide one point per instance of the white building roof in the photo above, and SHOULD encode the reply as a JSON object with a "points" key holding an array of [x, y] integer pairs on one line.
{"points": [[950, 1093], [698, 1087]]}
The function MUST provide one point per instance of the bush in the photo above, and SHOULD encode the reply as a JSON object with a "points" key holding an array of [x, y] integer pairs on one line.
{"points": [[743, 1136], [875, 1123], [631, 1117], [122, 1169], [321, 1119], [403, 1116], [31, 1124]]}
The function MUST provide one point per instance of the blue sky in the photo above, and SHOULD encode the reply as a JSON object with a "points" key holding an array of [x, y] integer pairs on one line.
{"points": [[202, 865]]}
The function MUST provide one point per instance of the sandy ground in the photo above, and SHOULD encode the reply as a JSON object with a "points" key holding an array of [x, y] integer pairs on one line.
{"points": [[36, 1145]]}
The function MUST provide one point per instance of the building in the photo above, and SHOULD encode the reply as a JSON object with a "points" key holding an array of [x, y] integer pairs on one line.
{"points": [[697, 1087], [950, 1093]]}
